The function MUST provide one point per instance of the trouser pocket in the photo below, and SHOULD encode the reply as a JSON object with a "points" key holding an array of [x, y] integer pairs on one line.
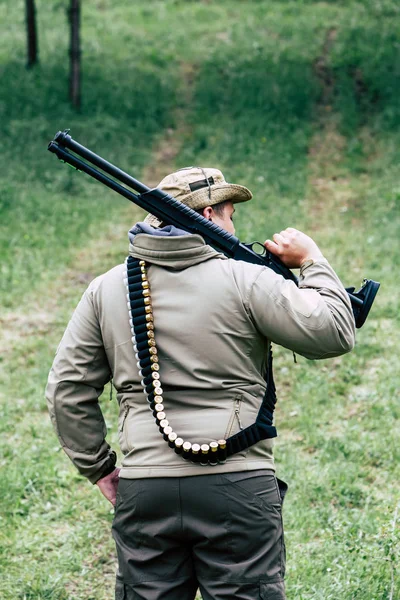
{"points": [[283, 488], [272, 591]]}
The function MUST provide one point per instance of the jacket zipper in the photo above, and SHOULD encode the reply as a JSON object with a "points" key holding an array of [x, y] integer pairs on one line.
{"points": [[124, 418], [235, 415]]}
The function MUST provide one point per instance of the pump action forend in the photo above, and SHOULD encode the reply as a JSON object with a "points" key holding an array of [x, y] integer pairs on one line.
{"points": [[171, 211]]}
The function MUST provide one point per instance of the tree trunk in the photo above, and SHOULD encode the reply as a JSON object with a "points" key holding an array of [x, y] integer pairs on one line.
{"points": [[75, 54], [30, 12]]}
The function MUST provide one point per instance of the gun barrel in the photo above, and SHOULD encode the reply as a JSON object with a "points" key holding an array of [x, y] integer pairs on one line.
{"points": [[63, 139]]}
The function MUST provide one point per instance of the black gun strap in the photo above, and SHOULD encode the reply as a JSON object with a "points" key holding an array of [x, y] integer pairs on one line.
{"points": [[144, 344]]}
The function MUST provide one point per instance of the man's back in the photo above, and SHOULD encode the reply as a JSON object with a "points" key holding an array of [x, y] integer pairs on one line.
{"points": [[214, 319]]}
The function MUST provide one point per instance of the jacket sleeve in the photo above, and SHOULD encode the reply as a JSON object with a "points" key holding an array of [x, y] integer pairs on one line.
{"points": [[314, 320], [76, 380]]}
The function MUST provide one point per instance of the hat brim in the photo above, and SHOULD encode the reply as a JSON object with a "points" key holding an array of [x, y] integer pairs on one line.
{"points": [[200, 198]]}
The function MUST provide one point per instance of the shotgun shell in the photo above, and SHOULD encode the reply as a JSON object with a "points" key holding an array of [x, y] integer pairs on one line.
{"points": [[195, 452], [164, 423], [213, 454], [179, 445], [205, 448], [221, 451], [171, 439], [158, 408], [187, 446], [167, 430]]}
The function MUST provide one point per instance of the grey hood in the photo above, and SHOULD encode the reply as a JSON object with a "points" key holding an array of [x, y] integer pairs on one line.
{"points": [[169, 247]]}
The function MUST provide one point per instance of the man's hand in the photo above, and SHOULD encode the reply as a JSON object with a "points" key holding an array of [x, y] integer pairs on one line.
{"points": [[108, 485], [293, 247]]}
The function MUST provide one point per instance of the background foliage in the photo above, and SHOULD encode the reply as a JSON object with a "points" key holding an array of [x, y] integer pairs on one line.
{"points": [[297, 100]]}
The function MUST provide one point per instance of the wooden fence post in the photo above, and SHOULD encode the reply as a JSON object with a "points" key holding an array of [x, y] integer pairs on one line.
{"points": [[30, 13], [75, 54]]}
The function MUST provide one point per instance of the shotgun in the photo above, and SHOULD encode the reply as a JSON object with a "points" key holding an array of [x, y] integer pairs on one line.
{"points": [[171, 211]]}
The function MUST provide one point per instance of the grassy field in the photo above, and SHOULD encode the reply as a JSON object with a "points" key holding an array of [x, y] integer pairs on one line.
{"points": [[296, 100]]}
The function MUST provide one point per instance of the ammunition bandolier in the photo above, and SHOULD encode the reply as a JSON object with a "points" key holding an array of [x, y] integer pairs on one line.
{"points": [[141, 321]]}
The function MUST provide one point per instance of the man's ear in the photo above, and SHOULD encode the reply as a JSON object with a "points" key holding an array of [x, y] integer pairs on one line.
{"points": [[207, 213]]}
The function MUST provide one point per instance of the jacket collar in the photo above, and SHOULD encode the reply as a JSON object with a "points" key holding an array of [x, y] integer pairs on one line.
{"points": [[178, 252]]}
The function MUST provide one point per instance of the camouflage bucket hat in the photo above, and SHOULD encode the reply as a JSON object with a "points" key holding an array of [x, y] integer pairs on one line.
{"points": [[199, 187]]}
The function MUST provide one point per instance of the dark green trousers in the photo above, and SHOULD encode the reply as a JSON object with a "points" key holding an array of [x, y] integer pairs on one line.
{"points": [[220, 533]]}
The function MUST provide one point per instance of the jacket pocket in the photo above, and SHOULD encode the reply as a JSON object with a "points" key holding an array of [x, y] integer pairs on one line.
{"points": [[235, 423]]}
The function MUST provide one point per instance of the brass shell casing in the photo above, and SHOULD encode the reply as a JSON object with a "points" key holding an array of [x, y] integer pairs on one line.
{"points": [[167, 430], [171, 439], [179, 445], [222, 451], [213, 454]]}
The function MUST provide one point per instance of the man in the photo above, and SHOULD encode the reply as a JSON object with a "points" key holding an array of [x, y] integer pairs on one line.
{"points": [[180, 524]]}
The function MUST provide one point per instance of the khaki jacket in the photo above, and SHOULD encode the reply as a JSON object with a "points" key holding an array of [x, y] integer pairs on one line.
{"points": [[214, 318]]}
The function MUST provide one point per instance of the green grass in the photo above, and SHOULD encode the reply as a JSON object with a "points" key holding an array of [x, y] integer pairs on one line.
{"points": [[323, 160]]}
